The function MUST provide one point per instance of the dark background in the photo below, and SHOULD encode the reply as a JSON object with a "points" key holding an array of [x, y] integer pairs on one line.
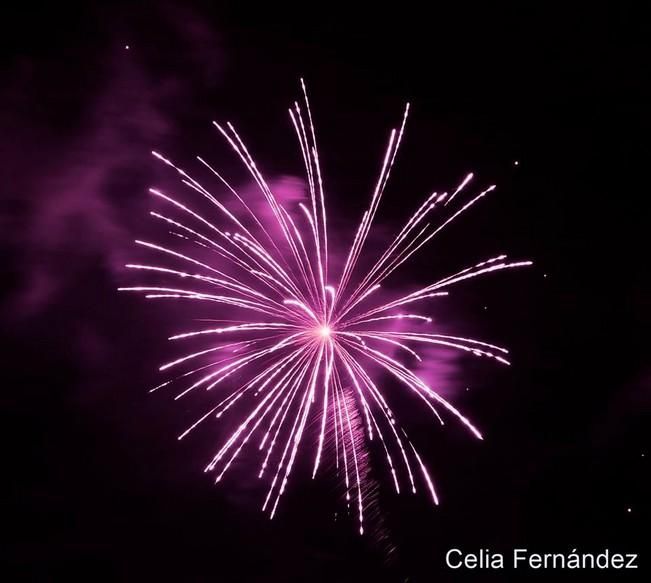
{"points": [[98, 486]]}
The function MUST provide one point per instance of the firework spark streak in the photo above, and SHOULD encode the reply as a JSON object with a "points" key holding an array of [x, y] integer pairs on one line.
{"points": [[308, 346]]}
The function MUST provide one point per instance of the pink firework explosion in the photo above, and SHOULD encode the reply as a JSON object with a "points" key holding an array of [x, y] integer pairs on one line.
{"points": [[308, 346]]}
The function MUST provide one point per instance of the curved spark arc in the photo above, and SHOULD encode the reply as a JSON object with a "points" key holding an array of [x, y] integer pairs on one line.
{"points": [[302, 350]]}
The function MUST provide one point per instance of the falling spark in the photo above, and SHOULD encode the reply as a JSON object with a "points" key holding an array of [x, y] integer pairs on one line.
{"points": [[308, 345]]}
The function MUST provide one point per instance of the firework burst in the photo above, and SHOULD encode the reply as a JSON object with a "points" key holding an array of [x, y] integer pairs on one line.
{"points": [[305, 355]]}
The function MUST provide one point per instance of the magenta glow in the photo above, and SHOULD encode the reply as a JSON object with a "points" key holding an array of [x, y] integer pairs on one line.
{"points": [[302, 345]]}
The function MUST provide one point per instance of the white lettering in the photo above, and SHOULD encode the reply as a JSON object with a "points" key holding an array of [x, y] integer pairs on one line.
{"points": [[448, 555], [518, 555]]}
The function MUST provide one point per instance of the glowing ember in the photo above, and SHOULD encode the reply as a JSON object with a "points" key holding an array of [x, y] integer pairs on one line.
{"points": [[325, 332], [302, 346]]}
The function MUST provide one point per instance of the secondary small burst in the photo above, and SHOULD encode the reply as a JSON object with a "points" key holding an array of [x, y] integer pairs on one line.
{"points": [[309, 345]]}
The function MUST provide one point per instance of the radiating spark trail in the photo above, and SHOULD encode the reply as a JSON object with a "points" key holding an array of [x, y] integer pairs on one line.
{"points": [[301, 347]]}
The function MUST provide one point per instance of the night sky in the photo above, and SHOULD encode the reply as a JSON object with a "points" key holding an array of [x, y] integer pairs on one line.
{"points": [[550, 104]]}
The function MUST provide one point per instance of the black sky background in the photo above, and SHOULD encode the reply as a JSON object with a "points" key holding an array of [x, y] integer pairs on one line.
{"points": [[97, 485]]}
